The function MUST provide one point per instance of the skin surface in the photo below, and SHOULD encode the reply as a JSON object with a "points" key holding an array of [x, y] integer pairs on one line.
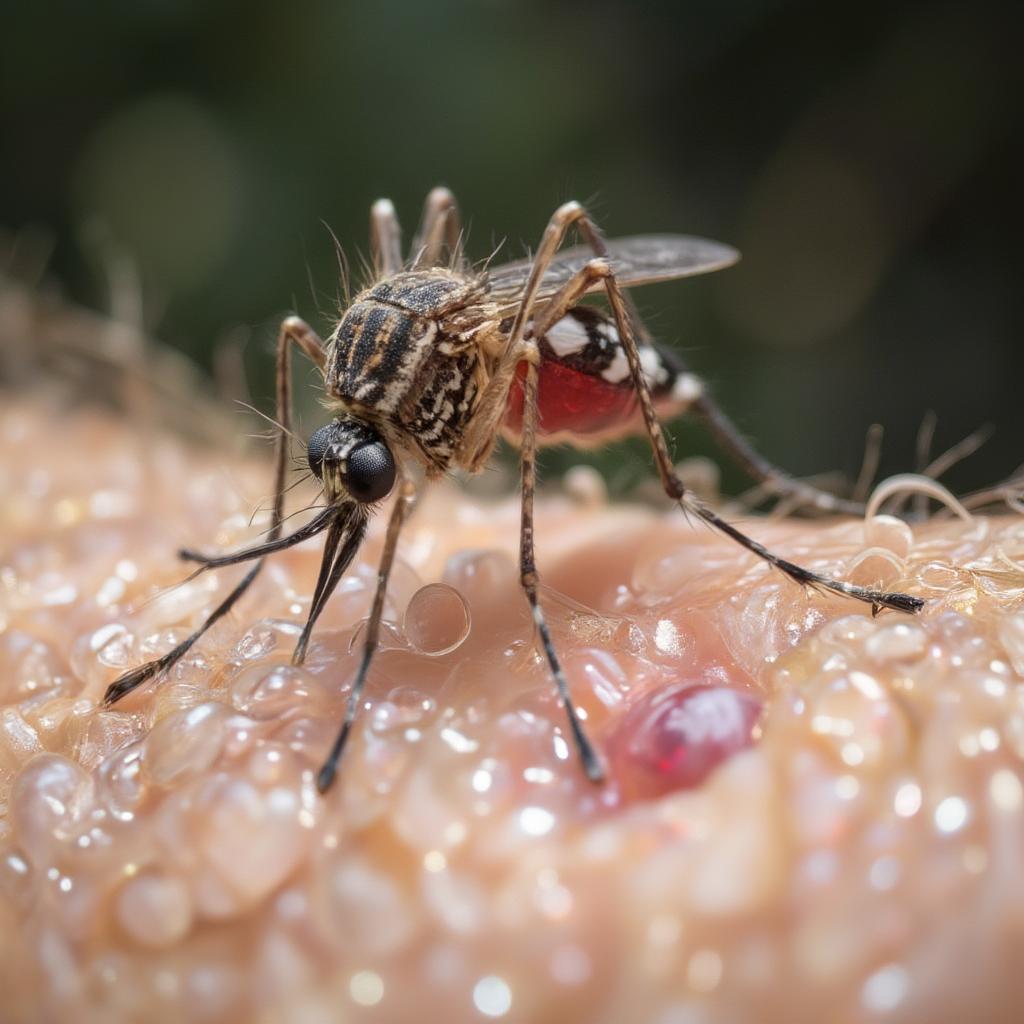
{"points": [[810, 814]]}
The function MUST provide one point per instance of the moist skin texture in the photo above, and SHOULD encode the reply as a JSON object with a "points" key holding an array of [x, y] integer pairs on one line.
{"points": [[810, 814]]}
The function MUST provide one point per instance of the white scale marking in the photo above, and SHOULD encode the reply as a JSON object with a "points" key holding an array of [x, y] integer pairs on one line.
{"points": [[687, 389], [650, 363], [567, 336]]}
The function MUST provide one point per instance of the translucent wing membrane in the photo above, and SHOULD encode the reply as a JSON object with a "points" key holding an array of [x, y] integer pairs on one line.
{"points": [[644, 259]]}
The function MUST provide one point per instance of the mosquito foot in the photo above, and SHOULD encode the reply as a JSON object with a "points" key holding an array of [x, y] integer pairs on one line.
{"points": [[124, 685]]}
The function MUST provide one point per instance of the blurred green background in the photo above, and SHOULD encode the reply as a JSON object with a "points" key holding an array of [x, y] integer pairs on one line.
{"points": [[865, 158]]}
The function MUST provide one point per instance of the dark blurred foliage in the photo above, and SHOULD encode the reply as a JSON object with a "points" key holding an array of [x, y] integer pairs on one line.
{"points": [[866, 158]]}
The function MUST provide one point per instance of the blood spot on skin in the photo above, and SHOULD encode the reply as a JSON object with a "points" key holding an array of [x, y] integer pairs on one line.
{"points": [[673, 738]]}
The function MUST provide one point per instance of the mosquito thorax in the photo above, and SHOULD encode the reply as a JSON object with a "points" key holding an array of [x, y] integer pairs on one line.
{"points": [[352, 460]]}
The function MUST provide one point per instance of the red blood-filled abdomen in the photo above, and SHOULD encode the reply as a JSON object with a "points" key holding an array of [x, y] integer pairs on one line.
{"points": [[573, 402]]}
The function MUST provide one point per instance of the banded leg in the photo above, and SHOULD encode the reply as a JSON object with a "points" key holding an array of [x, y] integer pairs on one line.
{"points": [[441, 229], [728, 437], [778, 483], [385, 239], [674, 488], [481, 436], [530, 579], [726, 434], [403, 504], [724, 431], [570, 294], [294, 331], [482, 433], [572, 214]]}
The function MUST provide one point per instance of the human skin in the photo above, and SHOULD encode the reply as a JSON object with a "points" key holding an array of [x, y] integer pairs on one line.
{"points": [[809, 814]]}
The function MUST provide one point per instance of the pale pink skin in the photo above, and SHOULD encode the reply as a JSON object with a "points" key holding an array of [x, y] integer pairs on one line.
{"points": [[843, 840]]}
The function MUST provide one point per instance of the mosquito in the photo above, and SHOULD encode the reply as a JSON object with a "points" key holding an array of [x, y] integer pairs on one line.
{"points": [[435, 360]]}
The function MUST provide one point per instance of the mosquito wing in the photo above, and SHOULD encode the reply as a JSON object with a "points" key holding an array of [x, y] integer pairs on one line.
{"points": [[644, 259]]}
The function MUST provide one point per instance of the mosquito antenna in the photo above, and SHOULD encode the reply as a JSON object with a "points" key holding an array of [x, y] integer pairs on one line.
{"points": [[301, 511], [299, 482], [299, 466]]}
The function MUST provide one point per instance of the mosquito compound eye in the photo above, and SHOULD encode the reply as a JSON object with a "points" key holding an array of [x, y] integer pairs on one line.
{"points": [[316, 449], [370, 471]]}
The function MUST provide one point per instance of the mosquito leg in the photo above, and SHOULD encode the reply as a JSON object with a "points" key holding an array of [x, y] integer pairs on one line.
{"points": [[441, 229], [399, 513], [152, 669], [530, 579], [573, 214], [570, 294], [561, 220], [779, 483], [294, 331], [724, 431], [385, 238], [482, 432], [491, 410], [677, 492]]}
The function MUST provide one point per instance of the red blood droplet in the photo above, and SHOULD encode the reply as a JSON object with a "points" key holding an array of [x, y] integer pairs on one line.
{"points": [[672, 738]]}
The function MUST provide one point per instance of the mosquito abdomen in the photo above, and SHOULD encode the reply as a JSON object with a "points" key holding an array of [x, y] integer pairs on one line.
{"points": [[585, 392]]}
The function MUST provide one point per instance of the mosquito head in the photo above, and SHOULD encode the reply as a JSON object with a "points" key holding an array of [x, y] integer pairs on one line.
{"points": [[352, 460]]}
